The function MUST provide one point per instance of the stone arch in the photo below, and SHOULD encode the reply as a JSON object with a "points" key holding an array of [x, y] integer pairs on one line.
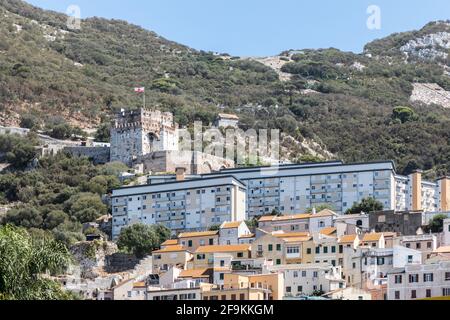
{"points": [[206, 168]]}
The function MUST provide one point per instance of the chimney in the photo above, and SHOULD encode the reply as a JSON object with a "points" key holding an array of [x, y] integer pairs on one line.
{"points": [[416, 190], [181, 173], [444, 185]]}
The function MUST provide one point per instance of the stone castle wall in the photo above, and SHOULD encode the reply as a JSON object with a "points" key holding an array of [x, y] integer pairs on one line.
{"points": [[194, 162], [99, 155]]}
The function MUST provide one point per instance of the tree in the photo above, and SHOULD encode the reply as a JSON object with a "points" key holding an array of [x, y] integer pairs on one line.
{"points": [[86, 207], [404, 114], [27, 217], [24, 261], [139, 239], [103, 133], [54, 219], [215, 227], [366, 205], [436, 225], [320, 208]]}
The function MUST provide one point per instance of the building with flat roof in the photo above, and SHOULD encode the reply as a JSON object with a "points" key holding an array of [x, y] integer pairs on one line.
{"points": [[292, 189], [181, 205]]}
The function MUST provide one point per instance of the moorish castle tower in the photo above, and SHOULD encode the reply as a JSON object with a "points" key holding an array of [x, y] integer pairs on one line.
{"points": [[140, 132]]}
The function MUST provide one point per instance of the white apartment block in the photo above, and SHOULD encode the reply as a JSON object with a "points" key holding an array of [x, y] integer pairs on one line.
{"points": [[419, 281], [181, 205], [306, 279], [292, 189]]}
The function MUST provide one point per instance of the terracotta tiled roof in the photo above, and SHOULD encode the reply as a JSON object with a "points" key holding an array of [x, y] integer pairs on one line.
{"points": [[290, 234], [286, 217], [443, 250], [297, 239], [325, 213], [139, 285], [231, 225], [328, 231], [195, 273], [170, 242], [246, 236], [228, 116], [197, 234], [223, 248], [348, 238], [176, 248], [372, 237]]}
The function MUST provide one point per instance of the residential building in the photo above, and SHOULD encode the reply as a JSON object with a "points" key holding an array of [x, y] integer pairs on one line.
{"points": [[350, 293], [309, 279], [187, 205], [295, 188], [403, 222], [373, 240], [312, 223], [204, 257], [281, 248], [169, 257], [254, 287], [225, 120], [446, 232], [419, 281], [231, 232], [425, 243], [193, 240]]}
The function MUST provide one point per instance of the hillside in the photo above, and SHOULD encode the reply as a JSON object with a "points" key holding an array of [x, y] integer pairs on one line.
{"points": [[342, 101]]}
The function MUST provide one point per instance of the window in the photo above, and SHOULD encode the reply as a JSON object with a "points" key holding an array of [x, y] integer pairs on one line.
{"points": [[413, 278], [428, 293], [325, 249], [293, 250], [295, 274], [410, 259], [308, 251], [315, 274], [278, 261], [446, 292], [303, 274], [300, 289], [190, 243], [242, 296], [398, 279], [333, 249], [428, 277], [429, 245], [211, 242], [341, 249], [397, 295], [288, 289], [222, 276], [418, 245], [240, 255], [413, 294], [270, 247], [447, 276], [278, 247], [317, 250]]}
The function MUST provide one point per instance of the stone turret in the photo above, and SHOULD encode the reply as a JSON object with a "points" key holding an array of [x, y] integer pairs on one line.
{"points": [[136, 133]]}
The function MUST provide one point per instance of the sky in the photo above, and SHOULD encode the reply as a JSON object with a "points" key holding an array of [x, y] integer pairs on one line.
{"points": [[265, 27]]}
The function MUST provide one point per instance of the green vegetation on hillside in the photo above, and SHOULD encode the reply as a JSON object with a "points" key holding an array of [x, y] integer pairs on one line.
{"points": [[85, 75]]}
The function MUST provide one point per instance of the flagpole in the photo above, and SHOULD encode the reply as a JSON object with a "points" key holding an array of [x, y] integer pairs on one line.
{"points": [[144, 98]]}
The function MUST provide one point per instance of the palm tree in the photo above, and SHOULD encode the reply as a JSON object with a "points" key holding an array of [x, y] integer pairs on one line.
{"points": [[26, 264]]}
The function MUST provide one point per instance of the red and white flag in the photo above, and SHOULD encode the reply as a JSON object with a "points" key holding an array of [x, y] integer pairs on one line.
{"points": [[139, 90]]}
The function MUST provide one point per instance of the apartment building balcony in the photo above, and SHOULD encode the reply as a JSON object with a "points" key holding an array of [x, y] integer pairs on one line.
{"points": [[223, 203], [177, 207], [223, 193], [256, 196], [162, 199], [271, 203], [272, 194], [318, 180], [334, 180], [271, 184], [317, 191], [178, 198]]}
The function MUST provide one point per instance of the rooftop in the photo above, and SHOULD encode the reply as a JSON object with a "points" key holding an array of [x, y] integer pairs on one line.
{"points": [[195, 273], [231, 225], [348, 238], [197, 234], [328, 231], [170, 242], [223, 248], [176, 248], [372, 237]]}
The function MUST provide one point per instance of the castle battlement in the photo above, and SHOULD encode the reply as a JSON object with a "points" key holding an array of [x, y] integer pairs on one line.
{"points": [[135, 133]]}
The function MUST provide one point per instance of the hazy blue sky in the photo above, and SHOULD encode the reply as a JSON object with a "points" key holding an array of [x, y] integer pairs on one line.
{"points": [[263, 27]]}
